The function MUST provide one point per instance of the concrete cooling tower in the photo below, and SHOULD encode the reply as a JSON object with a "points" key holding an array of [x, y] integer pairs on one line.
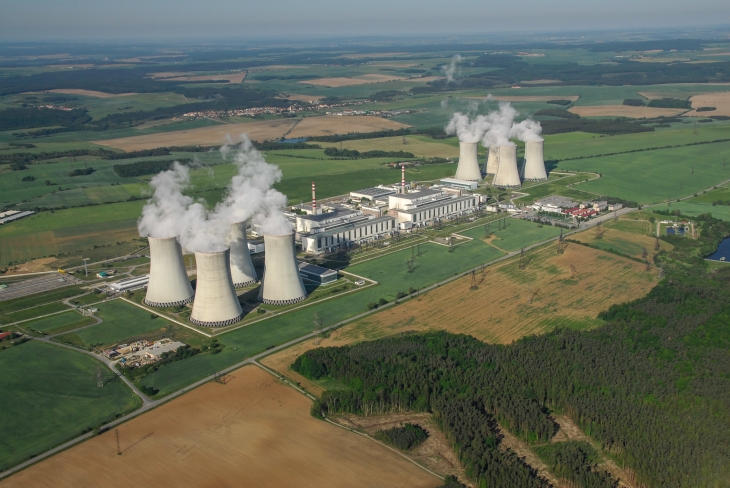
{"points": [[281, 284], [508, 175], [216, 303], [169, 285], [242, 271], [468, 168], [534, 168], [492, 161]]}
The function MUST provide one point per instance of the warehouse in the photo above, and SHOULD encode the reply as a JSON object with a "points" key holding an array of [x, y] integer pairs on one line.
{"points": [[130, 284], [372, 194], [346, 231], [423, 206], [317, 274]]}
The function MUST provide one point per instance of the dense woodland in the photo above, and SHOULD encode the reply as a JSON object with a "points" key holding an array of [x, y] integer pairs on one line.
{"points": [[404, 437], [651, 386]]}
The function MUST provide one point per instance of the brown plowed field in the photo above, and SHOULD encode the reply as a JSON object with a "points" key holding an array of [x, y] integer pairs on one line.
{"points": [[251, 432], [258, 131], [625, 111], [499, 311]]}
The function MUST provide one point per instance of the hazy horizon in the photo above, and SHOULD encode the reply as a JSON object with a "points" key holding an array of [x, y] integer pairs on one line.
{"points": [[78, 20]]}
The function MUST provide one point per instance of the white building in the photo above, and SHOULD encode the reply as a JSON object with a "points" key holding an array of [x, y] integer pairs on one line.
{"points": [[460, 184], [373, 194], [130, 283], [423, 206], [345, 231]]}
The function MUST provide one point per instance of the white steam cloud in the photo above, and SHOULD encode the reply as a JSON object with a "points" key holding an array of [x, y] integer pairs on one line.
{"points": [[500, 126], [452, 68], [249, 196], [527, 130], [468, 128]]}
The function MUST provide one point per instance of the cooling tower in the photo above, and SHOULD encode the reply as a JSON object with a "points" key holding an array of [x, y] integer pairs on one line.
{"points": [[169, 285], [216, 303], [281, 284], [468, 168], [492, 161], [534, 169], [242, 272], [507, 175]]}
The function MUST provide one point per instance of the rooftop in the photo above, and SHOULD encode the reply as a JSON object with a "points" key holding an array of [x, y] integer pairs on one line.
{"points": [[416, 195], [315, 270], [374, 191]]}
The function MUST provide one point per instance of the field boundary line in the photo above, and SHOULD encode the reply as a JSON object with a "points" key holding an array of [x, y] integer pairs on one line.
{"points": [[157, 312], [367, 436]]}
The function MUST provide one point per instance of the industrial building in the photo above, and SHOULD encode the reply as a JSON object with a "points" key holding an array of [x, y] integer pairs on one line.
{"points": [[508, 175], [11, 215], [553, 204], [282, 284], [169, 285], [534, 167], [242, 271], [343, 230], [216, 303], [460, 184], [423, 206], [468, 168], [375, 194], [130, 284], [317, 274]]}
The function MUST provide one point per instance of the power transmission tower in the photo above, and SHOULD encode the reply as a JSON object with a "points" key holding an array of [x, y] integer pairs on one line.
{"points": [[99, 379], [573, 271], [473, 280], [661, 271], [523, 260], [656, 245], [119, 450], [532, 293], [317, 329], [86, 271], [644, 252]]}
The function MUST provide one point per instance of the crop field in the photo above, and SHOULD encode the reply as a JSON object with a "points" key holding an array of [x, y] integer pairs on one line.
{"points": [[518, 234], [654, 176], [59, 323], [258, 131], [420, 146], [721, 102], [356, 80], [29, 313], [693, 209], [509, 303], [250, 415], [628, 237], [50, 396], [624, 111], [122, 321], [567, 186]]}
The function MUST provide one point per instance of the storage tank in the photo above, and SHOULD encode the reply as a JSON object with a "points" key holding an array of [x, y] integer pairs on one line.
{"points": [[534, 168], [216, 303], [508, 176], [282, 284], [242, 270], [468, 168], [169, 285], [492, 161]]}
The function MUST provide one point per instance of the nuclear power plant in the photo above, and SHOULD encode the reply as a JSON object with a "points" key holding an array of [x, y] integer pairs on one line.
{"points": [[534, 167], [490, 168], [468, 169], [282, 284], [216, 303], [169, 285], [508, 176], [242, 270]]}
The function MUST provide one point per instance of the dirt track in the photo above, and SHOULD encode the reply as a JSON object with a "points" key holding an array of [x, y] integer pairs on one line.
{"points": [[250, 432]]}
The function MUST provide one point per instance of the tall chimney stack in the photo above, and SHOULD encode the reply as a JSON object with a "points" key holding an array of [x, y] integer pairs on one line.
{"points": [[314, 200], [403, 178]]}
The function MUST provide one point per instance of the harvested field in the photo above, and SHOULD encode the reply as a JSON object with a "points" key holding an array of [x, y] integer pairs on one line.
{"points": [[721, 102], [499, 310], [34, 266], [333, 124], [259, 131], [250, 432], [207, 136], [625, 111], [660, 95], [303, 98], [435, 453], [90, 93], [531, 98], [231, 77], [540, 82], [418, 145]]}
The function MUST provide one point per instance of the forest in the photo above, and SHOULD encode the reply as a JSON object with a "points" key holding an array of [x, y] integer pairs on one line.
{"points": [[650, 386]]}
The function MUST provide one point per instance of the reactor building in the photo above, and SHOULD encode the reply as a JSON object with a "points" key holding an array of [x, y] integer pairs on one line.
{"points": [[468, 169], [490, 168], [216, 303], [534, 167], [508, 176], [242, 270], [169, 285], [282, 284]]}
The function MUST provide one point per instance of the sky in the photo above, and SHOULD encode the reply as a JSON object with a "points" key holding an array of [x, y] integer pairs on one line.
{"points": [[25, 20]]}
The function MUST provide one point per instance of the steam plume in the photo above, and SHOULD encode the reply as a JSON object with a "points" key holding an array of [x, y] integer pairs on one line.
{"points": [[164, 213], [467, 128], [500, 126], [452, 68], [527, 130]]}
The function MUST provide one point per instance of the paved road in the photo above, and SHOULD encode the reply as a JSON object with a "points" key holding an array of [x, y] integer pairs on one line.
{"points": [[150, 404]]}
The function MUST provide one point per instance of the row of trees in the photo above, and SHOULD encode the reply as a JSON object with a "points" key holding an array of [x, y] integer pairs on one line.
{"points": [[651, 386]]}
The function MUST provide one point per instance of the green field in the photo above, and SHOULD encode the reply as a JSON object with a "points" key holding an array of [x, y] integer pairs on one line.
{"points": [[518, 234], [49, 396], [692, 209], [653, 176], [59, 323], [122, 321], [34, 312]]}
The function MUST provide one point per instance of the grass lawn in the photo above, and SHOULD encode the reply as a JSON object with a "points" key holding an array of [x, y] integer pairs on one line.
{"points": [[653, 176], [518, 234], [692, 208], [59, 323], [11, 306], [122, 321], [49, 395], [34, 312], [557, 187]]}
